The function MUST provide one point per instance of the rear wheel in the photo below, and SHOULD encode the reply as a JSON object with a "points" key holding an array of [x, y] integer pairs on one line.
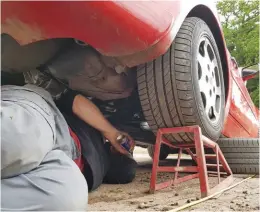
{"points": [[164, 151], [242, 154], [185, 86]]}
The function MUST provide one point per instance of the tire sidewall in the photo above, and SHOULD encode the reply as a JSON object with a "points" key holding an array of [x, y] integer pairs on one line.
{"points": [[164, 151], [211, 129]]}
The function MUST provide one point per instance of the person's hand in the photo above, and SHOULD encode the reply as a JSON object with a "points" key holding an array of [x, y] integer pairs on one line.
{"points": [[131, 142], [112, 137]]}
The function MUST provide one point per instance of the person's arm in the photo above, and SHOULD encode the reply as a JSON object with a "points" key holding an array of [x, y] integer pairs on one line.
{"points": [[89, 113], [73, 103]]}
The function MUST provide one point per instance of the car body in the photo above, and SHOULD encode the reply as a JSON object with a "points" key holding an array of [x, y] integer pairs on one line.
{"points": [[135, 32], [243, 114], [131, 33]]}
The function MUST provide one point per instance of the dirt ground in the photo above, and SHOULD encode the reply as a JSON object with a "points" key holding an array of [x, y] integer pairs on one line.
{"points": [[135, 196]]}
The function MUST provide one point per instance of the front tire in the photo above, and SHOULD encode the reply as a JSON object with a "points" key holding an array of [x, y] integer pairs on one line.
{"points": [[185, 86]]}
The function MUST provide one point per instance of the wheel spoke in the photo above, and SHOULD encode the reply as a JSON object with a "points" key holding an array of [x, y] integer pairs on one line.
{"points": [[212, 104], [203, 84], [217, 106], [207, 108], [216, 113], [212, 66], [201, 60], [212, 101], [217, 91], [214, 63]]}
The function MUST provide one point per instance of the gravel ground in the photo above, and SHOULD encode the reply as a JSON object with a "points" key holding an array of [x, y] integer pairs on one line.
{"points": [[135, 196]]}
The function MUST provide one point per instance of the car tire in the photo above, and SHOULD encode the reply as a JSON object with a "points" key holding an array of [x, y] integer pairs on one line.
{"points": [[171, 87], [242, 154], [164, 151]]}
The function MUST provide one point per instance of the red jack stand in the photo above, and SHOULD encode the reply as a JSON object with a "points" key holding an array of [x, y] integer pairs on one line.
{"points": [[200, 170]]}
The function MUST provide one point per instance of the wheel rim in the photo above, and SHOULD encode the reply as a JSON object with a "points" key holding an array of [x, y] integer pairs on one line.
{"points": [[209, 79]]}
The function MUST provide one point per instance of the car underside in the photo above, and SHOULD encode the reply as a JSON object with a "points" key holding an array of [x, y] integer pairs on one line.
{"points": [[63, 64]]}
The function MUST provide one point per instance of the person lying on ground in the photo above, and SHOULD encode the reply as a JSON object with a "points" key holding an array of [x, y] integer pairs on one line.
{"points": [[52, 154]]}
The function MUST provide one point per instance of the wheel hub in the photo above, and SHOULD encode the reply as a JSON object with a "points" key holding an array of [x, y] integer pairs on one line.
{"points": [[209, 79]]}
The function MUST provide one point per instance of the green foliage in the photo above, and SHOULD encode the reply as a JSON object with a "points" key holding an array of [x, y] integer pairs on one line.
{"points": [[255, 96], [253, 89], [241, 29]]}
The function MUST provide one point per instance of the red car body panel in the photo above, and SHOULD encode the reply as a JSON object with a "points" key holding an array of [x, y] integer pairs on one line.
{"points": [[243, 116], [114, 28], [133, 32]]}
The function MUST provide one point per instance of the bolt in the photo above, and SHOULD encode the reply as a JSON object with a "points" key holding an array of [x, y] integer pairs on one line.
{"points": [[210, 92], [207, 79], [208, 67]]}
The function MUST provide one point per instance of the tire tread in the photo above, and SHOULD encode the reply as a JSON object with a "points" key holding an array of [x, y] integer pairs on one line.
{"points": [[165, 85], [242, 154]]}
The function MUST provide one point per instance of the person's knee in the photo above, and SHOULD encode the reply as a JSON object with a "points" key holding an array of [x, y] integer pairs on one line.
{"points": [[57, 184], [43, 194], [71, 190], [68, 198]]}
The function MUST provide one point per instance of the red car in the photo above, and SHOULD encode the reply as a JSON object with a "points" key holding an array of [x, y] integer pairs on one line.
{"points": [[147, 65]]}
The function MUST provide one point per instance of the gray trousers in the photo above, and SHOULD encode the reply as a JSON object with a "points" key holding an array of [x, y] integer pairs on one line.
{"points": [[56, 184], [36, 173]]}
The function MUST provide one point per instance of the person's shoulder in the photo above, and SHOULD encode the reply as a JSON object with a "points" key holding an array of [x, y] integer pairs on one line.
{"points": [[33, 89], [27, 87], [39, 90], [8, 87]]}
